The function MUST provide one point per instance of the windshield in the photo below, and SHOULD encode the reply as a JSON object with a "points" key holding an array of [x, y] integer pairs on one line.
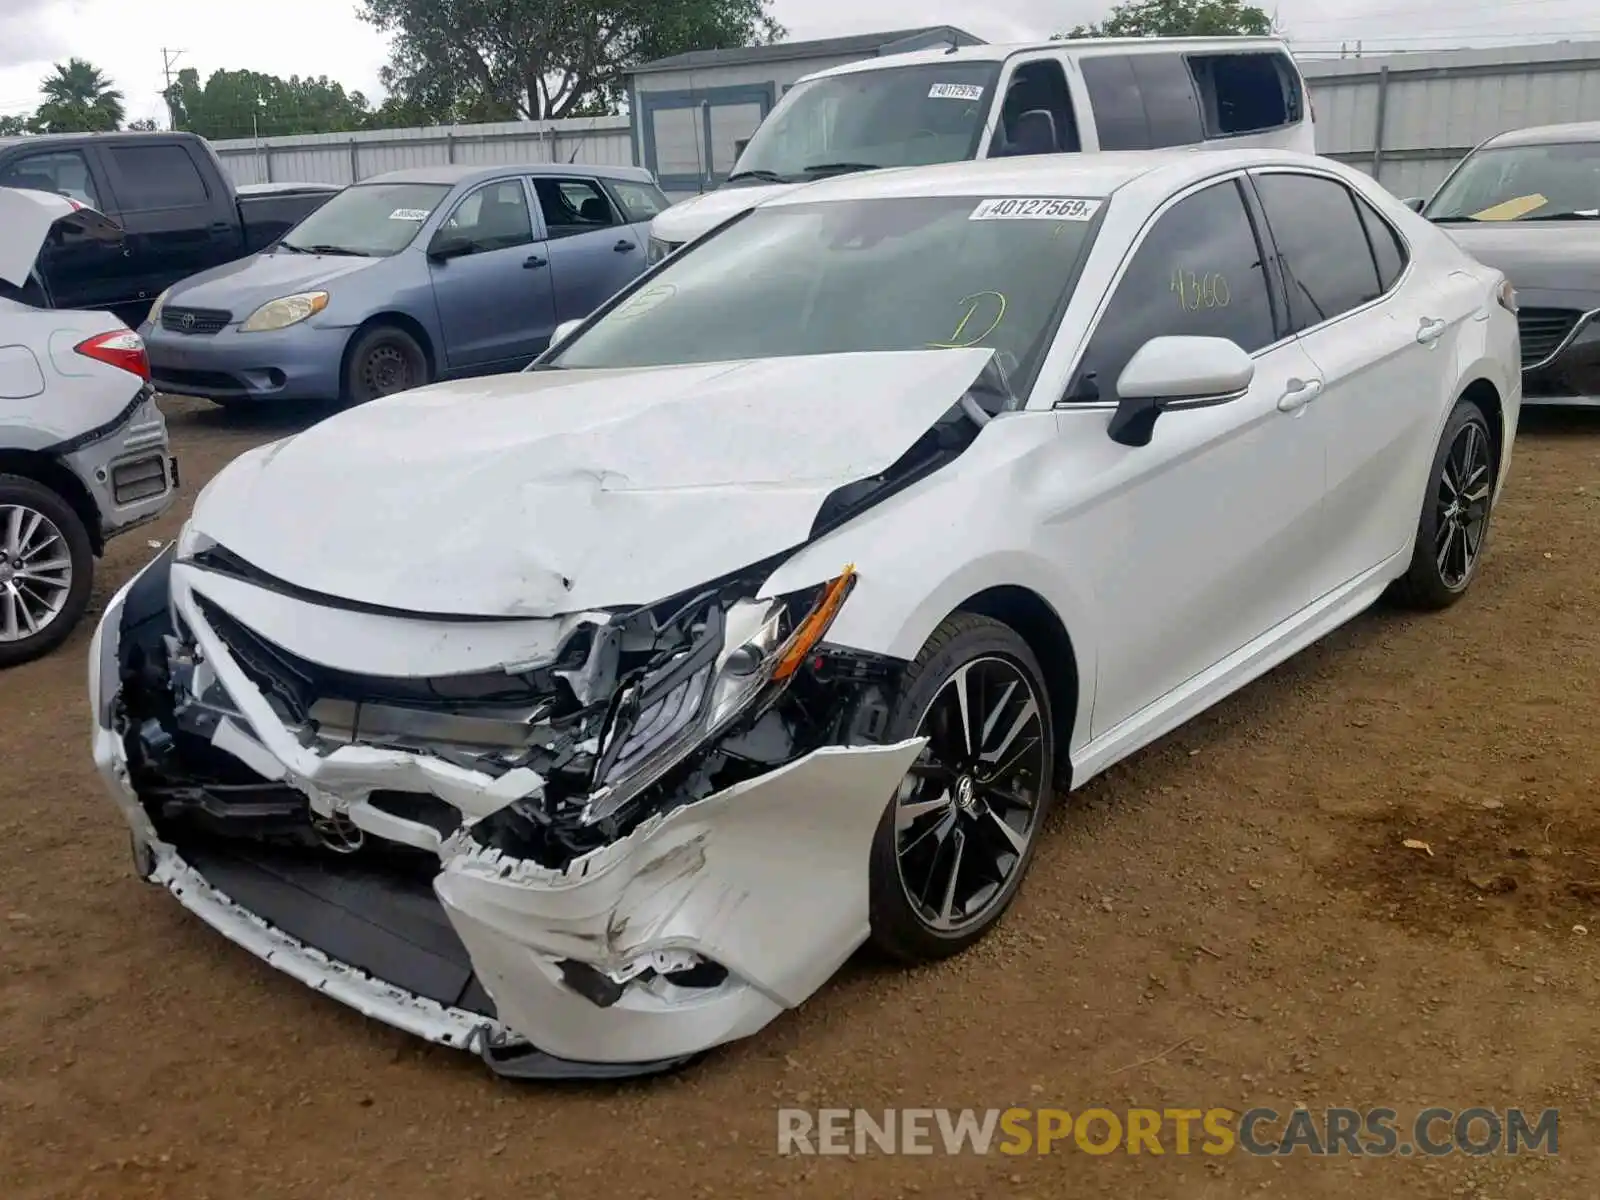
{"points": [[373, 220], [1522, 183], [913, 273], [899, 117]]}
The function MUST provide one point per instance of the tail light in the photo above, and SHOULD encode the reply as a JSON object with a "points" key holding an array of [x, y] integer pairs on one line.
{"points": [[122, 349]]}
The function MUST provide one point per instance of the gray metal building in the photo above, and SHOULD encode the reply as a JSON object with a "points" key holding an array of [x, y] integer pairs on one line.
{"points": [[1406, 119], [692, 113]]}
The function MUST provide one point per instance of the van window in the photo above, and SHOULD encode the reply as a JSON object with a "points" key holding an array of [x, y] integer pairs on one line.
{"points": [[1246, 93], [1142, 101], [1037, 87], [62, 171], [152, 177]]}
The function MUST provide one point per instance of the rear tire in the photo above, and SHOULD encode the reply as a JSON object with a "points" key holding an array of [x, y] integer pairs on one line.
{"points": [[959, 833], [382, 361], [1453, 527], [46, 570]]}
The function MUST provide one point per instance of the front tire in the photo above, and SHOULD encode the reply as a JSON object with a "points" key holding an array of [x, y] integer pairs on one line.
{"points": [[383, 360], [1454, 523], [46, 570], [958, 836]]}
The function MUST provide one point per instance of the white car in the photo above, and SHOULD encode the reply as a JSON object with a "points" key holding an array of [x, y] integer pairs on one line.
{"points": [[948, 103], [592, 716], [83, 447]]}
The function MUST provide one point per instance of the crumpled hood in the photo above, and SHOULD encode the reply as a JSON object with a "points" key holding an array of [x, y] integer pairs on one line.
{"points": [[26, 219], [242, 286], [688, 219], [550, 492], [1536, 256]]}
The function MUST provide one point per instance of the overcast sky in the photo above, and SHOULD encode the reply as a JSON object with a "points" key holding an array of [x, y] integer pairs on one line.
{"points": [[324, 37]]}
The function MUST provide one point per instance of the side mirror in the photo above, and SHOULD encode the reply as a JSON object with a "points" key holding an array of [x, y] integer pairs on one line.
{"points": [[565, 330], [1416, 203], [1172, 373], [447, 245]]}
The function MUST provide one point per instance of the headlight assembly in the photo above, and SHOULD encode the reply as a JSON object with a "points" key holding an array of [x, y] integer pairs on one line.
{"points": [[285, 311], [657, 250], [659, 720]]}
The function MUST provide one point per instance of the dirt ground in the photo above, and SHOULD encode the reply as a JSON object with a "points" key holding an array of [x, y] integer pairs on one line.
{"points": [[1229, 919]]}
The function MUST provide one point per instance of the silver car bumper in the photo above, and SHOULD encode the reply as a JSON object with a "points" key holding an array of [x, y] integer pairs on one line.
{"points": [[127, 468], [767, 880]]}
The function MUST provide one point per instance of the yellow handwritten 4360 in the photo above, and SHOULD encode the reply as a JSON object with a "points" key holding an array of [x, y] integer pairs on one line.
{"points": [[1197, 291]]}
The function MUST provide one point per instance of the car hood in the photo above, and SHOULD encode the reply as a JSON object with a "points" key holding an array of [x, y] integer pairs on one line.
{"points": [[688, 219], [26, 219], [245, 284], [1543, 258], [550, 492]]}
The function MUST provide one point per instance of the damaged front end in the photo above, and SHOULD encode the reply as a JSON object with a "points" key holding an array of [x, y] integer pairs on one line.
{"points": [[646, 837]]}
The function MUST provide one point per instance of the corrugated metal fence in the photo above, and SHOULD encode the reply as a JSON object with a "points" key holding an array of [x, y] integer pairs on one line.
{"points": [[347, 157], [1406, 119]]}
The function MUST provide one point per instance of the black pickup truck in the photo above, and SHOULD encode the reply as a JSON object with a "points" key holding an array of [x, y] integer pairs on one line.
{"points": [[178, 211]]}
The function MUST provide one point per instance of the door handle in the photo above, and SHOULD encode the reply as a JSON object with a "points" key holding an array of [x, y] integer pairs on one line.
{"points": [[624, 246], [1298, 394], [532, 261], [1430, 330]]}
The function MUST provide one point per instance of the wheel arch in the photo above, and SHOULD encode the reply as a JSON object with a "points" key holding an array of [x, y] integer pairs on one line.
{"points": [[53, 474], [1482, 392], [403, 321], [1038, 624]]}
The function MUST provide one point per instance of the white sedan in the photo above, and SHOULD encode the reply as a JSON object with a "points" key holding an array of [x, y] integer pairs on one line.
{"points": [[592, 716]]}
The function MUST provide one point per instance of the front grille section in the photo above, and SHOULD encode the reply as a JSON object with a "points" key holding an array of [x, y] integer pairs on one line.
{"points": [[195, 320], [1544, 329]]}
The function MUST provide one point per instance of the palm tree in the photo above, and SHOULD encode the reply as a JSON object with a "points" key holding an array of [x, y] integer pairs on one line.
{"points": [[79, 98]]}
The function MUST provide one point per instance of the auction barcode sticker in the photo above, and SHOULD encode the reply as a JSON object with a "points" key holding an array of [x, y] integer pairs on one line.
{"points": [[1037, 208], [955, 91], [409, 214]]}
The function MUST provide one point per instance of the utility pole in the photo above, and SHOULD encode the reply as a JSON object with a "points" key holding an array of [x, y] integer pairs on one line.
{"points": [[168, 59]]}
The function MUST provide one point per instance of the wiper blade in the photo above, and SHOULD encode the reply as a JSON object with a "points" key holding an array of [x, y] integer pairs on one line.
{"points": [[1455, 220], [292, 248], [840, 168], [344, 250], [764, 176]]}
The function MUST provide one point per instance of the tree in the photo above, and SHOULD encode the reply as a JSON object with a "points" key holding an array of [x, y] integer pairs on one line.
{"points": [[502, 60], [241, 104], [1178, 18], [144, 124], [78, 98], [12, 126]]}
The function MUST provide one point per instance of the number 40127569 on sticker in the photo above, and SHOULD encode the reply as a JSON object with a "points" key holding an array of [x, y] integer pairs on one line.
{"points": [[1037, 208]]}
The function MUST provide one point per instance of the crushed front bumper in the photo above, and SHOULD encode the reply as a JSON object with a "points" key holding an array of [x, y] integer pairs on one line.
{"points": [[543, 972]]}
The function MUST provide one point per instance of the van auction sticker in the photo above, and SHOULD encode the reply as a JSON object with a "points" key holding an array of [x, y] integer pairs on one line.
{"points": [[409, 214], [1042, 208], [955, 91]]}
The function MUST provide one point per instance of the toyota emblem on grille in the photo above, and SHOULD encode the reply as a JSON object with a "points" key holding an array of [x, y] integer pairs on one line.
{"points": [[187, 321]]}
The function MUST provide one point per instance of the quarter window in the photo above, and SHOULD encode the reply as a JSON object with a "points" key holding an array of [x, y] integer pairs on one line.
{"points": [[1199, 272], [1387, 248], [1327, 262], [64, 172], [1246, 93]]}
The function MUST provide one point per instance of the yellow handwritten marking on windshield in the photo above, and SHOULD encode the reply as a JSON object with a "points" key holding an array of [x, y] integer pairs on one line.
{"points": [[1197, 291], [1510, 210], [973, 305]]}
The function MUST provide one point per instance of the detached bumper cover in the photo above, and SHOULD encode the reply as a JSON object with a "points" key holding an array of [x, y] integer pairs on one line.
{"points": [[544, 973]]}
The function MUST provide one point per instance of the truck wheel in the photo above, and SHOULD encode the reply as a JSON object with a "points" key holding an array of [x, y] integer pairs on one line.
{"points": [[383, 360], [46, 570]]}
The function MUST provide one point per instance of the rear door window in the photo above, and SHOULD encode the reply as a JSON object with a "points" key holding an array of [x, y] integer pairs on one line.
{"points": [[1327, 261], [1142, 101], [1246, 93], [155, 177], [573, 206]]}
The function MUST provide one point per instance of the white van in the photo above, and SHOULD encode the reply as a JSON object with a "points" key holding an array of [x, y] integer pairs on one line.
{"points": [[985, 101]]}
